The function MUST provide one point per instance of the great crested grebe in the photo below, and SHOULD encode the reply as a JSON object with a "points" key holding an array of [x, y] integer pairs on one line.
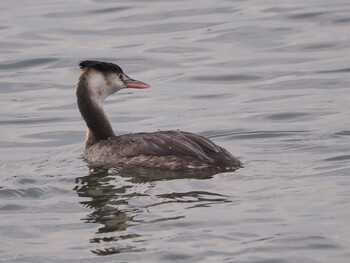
{"points": [[171, 150]]}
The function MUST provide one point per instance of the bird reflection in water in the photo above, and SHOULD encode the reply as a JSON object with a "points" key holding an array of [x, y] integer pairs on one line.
{"points": [[122, 198]]}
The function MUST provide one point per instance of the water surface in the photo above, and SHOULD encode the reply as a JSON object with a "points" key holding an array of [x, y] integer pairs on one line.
{"points": [[268, 80]]}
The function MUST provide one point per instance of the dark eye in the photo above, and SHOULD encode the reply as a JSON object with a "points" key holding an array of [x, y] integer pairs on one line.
{"points": [[121, 77]]}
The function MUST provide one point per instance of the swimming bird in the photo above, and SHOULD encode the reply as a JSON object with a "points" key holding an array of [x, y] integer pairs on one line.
{"points": [[170, 150]]}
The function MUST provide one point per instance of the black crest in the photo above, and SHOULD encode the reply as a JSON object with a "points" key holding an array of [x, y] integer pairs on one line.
{"points": [[100, 66]]}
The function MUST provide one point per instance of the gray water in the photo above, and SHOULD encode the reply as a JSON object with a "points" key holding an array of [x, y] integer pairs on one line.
{"points": [[268, 80]]}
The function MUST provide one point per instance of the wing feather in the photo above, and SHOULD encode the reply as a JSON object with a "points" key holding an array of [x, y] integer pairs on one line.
{"points": [[202, 141], [162, 143]]}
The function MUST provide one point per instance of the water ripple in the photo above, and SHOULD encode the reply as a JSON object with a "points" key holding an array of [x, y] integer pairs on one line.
{"points": [[225, 78], [266, 80], [30, 63]]}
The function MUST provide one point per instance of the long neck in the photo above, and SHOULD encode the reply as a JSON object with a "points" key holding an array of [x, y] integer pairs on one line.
{"points": [[91, 110]]}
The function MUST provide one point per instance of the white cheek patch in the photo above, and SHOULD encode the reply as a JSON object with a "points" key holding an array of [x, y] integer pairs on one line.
{"points": [[97, 80], [98, 86], [101, 86], [115, 84]]}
